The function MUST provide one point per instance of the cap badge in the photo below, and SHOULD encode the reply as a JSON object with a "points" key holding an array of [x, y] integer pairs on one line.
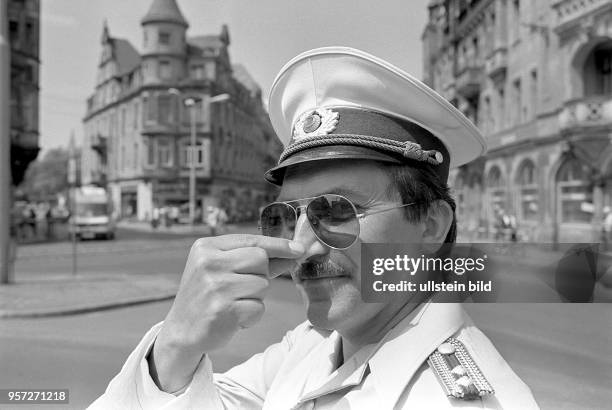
{"points": [[315, 123]]}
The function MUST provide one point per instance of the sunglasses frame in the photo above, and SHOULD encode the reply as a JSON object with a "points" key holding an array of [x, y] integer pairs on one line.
{"points": [[304, 207]]}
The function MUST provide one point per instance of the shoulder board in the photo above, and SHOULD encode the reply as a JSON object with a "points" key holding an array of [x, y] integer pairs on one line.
{"points": [[457, 372]]}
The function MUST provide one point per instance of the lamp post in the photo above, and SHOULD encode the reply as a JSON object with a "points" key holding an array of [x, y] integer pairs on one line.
{"points": [[191, 102]]}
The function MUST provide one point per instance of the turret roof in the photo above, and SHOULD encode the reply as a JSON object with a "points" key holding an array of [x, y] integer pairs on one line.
{"points": [[166, 11]]}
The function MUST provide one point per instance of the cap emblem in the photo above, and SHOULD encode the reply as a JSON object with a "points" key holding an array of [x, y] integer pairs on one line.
{"points": [[315, 123]]}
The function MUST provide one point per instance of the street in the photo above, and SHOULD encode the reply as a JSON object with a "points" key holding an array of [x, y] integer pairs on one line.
{"points": [[562, 351]]}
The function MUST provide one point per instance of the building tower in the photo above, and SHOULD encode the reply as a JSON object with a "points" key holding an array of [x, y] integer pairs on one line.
{"points": [[164, 44]]}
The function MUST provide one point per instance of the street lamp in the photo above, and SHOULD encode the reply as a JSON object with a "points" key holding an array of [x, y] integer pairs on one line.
{"points": [[191, 102]]}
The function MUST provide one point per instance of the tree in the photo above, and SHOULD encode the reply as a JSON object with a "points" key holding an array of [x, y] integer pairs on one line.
{"points": [[47, 177]]}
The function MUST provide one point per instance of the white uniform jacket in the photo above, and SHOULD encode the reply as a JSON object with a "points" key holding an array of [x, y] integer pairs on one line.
{"points": [[300, 372]]}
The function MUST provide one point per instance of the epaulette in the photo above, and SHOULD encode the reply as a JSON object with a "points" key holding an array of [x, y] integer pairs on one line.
{"points": [[457, 372]]}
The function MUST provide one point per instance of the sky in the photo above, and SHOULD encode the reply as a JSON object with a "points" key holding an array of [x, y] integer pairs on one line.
{"points": [[264, 35]]}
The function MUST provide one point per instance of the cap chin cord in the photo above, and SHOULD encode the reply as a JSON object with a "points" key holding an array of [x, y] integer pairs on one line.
{"points": [[408, 149]]}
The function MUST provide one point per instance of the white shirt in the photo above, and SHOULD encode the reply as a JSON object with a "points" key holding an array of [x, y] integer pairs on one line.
{"points": [[300, 372]]}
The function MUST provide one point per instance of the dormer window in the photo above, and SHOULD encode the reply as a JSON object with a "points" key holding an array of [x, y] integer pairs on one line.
{"points": [[164, 38]]}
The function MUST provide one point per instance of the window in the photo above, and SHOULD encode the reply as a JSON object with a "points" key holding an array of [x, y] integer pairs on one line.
{"points": [[135, 153], [165, 109], [151, 159], [165, 70], [501, 109], [13, 32], [496, 187], [528, 191], [27, 72], [488, 118], [201, 149], [516, 20], [491, 33], [30, 34], [135, 115], [123, 158], [597, 72], [145, 106], [533, 93], [210, 70], [164, 38], [516, 103], [164, 149], [575, 195], [123, 119], [197, 72], [151, 109]]}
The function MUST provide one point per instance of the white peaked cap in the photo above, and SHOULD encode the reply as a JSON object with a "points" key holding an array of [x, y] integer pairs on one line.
{"points": [[340, 78]]}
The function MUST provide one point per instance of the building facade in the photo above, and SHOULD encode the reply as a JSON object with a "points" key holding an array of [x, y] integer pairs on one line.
{"points": [[24, 38], [536, 78], [137, 128]]}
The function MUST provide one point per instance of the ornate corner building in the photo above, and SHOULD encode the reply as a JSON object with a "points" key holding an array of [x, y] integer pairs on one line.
{"points": [[536, 78], [138, 129], [24, 38]]}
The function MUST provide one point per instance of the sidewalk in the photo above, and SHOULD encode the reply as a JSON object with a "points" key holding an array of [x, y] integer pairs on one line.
{"points": [[177, 229], [185, 229], [66, 294]]}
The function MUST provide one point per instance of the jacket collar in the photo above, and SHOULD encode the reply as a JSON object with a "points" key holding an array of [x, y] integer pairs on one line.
{"points": [[392, 362], [406, 347]]}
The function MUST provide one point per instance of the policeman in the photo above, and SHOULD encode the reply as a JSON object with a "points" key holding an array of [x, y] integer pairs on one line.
{"points": [[367, 155]]}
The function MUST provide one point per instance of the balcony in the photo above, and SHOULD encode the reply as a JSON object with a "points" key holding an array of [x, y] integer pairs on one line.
{"points": [[99, 177], [569, 12], [98, 144], [469, 81], [589, 112], [497, 64]]}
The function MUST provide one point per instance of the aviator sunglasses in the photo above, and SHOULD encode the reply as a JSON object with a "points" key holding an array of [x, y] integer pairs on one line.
{"points": [[333, 218]]}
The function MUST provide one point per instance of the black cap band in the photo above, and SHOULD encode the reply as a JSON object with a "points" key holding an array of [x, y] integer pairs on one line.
{"points": [[357, 133]]}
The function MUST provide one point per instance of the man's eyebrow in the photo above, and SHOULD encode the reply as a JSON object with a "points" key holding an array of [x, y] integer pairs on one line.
{"points": [[344, 191]]}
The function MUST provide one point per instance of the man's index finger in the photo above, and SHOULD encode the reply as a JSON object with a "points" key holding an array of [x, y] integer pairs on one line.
{"points": [[275, 247]]}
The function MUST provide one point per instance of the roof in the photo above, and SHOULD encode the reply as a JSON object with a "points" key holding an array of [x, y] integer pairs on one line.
{"points": [[206, 41], [242, 76], [127, 57], [166, 11]]}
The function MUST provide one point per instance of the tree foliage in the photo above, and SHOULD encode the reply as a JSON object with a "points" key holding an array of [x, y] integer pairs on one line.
{"points": [[47, 177]]}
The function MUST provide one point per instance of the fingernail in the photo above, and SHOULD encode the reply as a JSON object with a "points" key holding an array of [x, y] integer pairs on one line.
{"points": [[297, 248]]}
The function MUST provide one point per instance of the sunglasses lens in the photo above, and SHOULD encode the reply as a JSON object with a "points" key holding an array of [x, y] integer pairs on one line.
{"points": [[334, 220], [278, 220]]}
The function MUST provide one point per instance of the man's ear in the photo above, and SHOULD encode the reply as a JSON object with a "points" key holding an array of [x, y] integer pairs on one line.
{"points": [[437, 224]]}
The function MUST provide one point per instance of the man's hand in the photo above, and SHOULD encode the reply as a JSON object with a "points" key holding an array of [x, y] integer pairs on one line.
{"points": [[221, 291]]}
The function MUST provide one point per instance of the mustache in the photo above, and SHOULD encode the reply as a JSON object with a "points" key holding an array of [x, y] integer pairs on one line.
{"points": [[313, 270]]}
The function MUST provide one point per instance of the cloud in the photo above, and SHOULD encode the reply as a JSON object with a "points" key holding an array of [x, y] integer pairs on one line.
{"points": [[59, 20]]}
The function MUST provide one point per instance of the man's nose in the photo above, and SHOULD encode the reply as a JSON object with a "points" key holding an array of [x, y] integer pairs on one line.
{"points": [[306, 236]]}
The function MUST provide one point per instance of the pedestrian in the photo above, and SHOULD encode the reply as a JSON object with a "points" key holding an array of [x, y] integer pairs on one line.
{"points": [[606, 228], [367, 151], [50, 223], [155, 218], [212, 219]]}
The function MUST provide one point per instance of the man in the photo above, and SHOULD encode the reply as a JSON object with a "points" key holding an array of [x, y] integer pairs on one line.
{"points": [[366, 159]]}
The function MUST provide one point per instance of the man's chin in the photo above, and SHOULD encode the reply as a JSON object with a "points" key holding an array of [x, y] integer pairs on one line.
{"points": [[321, 321], [326, 315]]}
